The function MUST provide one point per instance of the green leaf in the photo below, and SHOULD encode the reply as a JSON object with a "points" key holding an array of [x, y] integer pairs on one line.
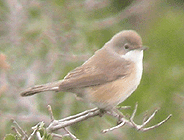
{"points": [[9, 137]]}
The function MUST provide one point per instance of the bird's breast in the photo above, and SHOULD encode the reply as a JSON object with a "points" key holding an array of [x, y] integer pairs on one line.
{"points": [[110, 94]]}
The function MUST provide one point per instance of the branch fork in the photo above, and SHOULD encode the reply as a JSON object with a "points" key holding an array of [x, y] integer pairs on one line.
{"points": [[68, 121]]}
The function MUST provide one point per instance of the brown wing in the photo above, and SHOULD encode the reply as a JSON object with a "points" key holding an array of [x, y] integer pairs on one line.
{"points": [[99, 69]]}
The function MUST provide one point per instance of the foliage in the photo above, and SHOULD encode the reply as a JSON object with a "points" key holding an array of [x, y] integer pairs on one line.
{"points": [[41, 41]]}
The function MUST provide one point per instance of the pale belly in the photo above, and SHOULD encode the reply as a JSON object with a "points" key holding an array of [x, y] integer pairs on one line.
{"points": [[111, 94]]}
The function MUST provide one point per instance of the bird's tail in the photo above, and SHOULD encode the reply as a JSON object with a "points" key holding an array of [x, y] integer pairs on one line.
{"points": [[54, 86]]}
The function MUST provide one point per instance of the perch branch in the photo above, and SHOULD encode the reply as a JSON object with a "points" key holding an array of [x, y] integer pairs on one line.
{"points": [[68, 121], [130, 122], [58, 124]]}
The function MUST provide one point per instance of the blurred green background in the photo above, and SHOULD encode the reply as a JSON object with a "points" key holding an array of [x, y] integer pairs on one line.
{"points": [[42, 40]]}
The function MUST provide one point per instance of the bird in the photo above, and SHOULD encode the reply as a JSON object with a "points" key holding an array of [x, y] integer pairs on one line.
{"points": [[108, 77]]}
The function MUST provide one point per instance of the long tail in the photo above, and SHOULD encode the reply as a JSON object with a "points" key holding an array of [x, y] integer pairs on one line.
{"points": [[54, 86]]}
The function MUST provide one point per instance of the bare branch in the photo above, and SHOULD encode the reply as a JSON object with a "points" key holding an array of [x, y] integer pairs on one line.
{"points": [[133, 114], [78, 115], [145, 116], [32, 134], [123, 107], [50, 112], [157, 125], [68, 121], [70, 134], [130, 122], [38, 135], [113, 128], [150, 118], [20, 129], [16, 131], [35, 130], [58, 136], [58, 124]]}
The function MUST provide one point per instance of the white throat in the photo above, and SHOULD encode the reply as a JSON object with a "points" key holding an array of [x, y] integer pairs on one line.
{"points": [[135, 55]]}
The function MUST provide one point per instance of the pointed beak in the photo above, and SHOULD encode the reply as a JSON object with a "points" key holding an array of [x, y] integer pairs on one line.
{"points": [[143, 48]]}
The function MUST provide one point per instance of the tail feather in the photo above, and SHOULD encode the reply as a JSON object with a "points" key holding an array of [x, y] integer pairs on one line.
{"points": [[54, 86]]}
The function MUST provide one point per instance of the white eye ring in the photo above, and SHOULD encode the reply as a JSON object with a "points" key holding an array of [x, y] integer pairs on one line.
{"points": [[126, 46]]}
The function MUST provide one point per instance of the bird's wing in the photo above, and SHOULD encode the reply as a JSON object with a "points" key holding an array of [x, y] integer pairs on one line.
{"points": [[96, 71]]}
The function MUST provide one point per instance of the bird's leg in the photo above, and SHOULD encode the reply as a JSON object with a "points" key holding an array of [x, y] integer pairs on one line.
{"points": [[102, 112]]}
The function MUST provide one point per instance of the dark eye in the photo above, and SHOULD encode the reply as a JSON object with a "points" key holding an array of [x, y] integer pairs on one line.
{"points": [[126, 46]]}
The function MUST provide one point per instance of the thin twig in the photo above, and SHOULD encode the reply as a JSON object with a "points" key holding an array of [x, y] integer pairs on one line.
{"points": [[123, 107], [132, 123], [150, 118], [113, 128], [38, 135], [20, 129], [135, 110], [32, 134], [145, 117], [16, 131], [157, 125], [78, 115], [70, 134], [50, 112], [35, 130], [59, 136]]}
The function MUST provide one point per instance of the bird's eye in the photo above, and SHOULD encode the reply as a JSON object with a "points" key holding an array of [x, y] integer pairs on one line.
{"points": [[126, 46]]}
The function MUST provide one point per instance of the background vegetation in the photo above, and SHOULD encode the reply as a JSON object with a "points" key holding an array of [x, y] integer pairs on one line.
{"points": [[42, 40]]}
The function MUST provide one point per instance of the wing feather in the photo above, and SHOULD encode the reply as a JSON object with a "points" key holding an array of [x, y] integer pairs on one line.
{"points": [[96, 71]]}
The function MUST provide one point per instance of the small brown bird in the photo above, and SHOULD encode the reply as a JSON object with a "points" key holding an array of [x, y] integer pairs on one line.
{"points": [[109, 77]]}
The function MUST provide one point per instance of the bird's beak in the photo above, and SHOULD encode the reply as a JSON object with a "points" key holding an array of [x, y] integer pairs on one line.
{"points": [[143, 48]]}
